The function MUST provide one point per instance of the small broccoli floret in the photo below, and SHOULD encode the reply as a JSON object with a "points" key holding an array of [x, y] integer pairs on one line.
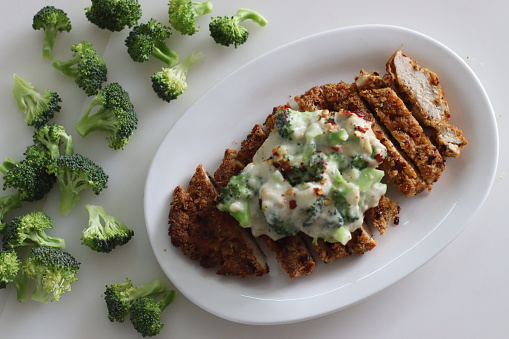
{"points": [[86, 67], [114, 15], [119, 297], [149, 39], [53, 272], [312, 212], [284, 124], [114, 114], [227, 30], [234, 198], [170, 83], [281, 226], [10, 265], [8, 203], [183, 14], [311, 170], [53, 21], [104, 232], [38, 108], [146, 313], [30, 230], [54, 139], [74, 174], [29, 176]]}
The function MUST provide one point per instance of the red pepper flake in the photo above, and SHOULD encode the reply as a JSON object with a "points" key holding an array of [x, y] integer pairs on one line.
{"points": [[293, 204], [336, 148], [379, 158], [362, 129]]}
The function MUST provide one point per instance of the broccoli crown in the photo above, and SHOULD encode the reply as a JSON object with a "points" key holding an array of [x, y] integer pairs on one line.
{"points": [[311, 170], [38, 108], [114, 15], [53, 21], [170, 83], [29, 176], [183, 14], [104, 232], [8, 203], [146, 313], [10, 265], [74, 174], [52, 137], [284, 125], [227, 30], [53, 272], [30, 230], [115, 115], [149, 39], [119, 297], [86, 67]]}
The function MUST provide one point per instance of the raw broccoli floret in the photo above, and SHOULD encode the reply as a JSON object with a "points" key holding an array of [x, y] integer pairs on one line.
{"points": [[146, 313], [53, 271], [119, 297], [227, 30], [74, 174], [54, 139], [104, 231], [10, 265], [86, 67], [234, 198], [114, 15], [8, 203], [30, 230], [183, 14], [53, 21], [113, 113], [29, 176], [149, 39], [37, 107], [170, 83]]}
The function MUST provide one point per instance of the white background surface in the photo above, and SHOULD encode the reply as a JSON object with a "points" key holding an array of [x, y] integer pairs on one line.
{"points": [[462, 292]]}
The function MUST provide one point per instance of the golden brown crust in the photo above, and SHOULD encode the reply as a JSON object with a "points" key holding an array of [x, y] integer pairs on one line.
{"points": [[381, 215]]}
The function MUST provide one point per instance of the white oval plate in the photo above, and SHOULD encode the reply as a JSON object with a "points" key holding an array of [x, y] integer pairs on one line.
{"points": [[225, 115]]}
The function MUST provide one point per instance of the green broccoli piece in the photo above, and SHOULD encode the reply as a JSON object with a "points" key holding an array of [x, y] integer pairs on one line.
{"points": [[53, 137], [312, 212], [227, 30], [280, 225], [8, 203], [146, 313], [149, 39], [284, 127], [311, 170], [53, 272], [119, 297], [114, 114], [10, 265], [114, 15], [86, 67], [170, 83], [30, 230], [53, 21], [104, 232], [76, 173], [234, 198], [183, 14], [29, 176], [38, 108]]}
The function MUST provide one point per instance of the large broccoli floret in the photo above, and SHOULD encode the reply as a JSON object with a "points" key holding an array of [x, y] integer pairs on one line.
{"points": [[149, 39], [146, 313], [104, 231], [119, 297], [29, 176], [86, 67], [38, 108], [30, 230], [54, 139], [53, 272], [8, 203], [183, 14], [74, 174], [170, 83], [234, 198], [53, 21], [114, 15], [227, 30], [10, 265], [114, 114]]}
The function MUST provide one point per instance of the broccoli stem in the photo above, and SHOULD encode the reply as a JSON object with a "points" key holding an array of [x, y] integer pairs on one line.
{"points": [[202, 8], [248, 14], [25, 95], [42, 239], [67, 67], [21, 283], [167, 299], [69, 198], [98, 121], [151, 288], [182, 68], [50, 34], [165, 54]]}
